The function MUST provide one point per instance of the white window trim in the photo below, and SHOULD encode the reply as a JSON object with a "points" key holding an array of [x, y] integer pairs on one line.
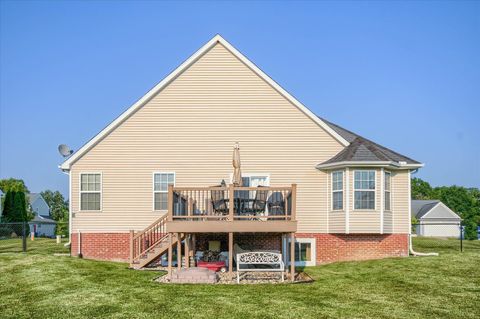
{"points": [[313, 247], [154, 191], [336, 191], [365, 190], [253, 175], [389, 191], [81, 192]]}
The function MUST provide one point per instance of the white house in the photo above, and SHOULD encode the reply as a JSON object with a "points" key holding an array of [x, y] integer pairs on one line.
{"points": [[42, 224], [435, 219]]}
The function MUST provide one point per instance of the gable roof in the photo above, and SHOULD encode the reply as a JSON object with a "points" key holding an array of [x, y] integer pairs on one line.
{"points": [[32, 197], [362, 150], [172, 76], [420, 209]]}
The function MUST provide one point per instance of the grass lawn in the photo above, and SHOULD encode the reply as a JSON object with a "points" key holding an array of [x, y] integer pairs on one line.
{"points": [[40, 285]]}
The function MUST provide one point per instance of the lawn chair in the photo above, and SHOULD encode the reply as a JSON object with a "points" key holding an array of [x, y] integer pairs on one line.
{"points": [[259, 203], [276, 205], [219, 203]]}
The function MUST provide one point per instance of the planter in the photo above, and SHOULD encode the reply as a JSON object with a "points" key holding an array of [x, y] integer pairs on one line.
{"points": [[212, 265]]}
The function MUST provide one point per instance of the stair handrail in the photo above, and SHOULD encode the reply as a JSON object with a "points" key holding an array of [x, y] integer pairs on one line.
{"points": [[142, 242]]}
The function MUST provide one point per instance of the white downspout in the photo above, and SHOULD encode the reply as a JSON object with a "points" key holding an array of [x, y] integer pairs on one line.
{"points": [[69, 208], [410, 246]]}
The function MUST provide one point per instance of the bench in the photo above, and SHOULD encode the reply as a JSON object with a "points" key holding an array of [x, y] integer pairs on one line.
{"points": [[247, 261]]}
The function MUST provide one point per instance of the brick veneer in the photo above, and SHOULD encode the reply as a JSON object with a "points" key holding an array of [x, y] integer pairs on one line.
{"points": [[102, 246], [329, 247], [343, 247]]}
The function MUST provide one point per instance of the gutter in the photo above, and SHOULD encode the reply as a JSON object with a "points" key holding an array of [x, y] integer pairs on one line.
{"points": [[391, 164], [69, 208]]}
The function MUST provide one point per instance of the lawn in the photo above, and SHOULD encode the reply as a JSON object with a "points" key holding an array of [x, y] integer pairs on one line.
{"points": [[40, 285]]}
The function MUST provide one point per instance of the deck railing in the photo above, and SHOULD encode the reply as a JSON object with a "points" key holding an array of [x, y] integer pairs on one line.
{"points": [[232, 203], [142, 242]]}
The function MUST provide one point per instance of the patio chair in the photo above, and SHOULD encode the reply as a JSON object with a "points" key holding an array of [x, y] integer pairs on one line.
{"points": [[260, 202], [276, 204], [219, 203]]}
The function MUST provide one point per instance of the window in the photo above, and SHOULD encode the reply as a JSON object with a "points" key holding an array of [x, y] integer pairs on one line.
{"points": [[364, 190], [337, 190], [160, 189], [388, 185], [305, 252], [90, 191]]}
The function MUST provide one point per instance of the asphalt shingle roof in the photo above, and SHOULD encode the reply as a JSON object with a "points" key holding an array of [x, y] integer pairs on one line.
{"points": [[421, 207], [363, 150]]}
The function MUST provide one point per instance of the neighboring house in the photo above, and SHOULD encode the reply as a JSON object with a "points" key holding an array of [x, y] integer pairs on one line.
{"points": [[152, 171], [42, 224], [435, 219]]}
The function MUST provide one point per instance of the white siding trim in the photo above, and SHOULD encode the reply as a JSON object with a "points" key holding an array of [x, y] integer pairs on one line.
{"points": [[347, 207], [382, 197], [172, 76], [409, 215], [328, 205]]}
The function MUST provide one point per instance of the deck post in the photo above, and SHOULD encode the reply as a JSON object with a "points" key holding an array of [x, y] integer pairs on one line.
{"points": [[294, 202], [230, 255], [194, 249], [292, 257], [230, 202], [170, 251], [187, 251], [170, 203], [179, 252], [131, 247]]}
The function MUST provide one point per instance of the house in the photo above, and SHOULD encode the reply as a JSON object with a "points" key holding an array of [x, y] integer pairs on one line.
{"points": [[42, 224], [435, 219], [153, 176]]}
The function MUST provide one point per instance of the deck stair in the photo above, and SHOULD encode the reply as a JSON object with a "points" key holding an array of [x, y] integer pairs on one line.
{"points": [[149, 244]]}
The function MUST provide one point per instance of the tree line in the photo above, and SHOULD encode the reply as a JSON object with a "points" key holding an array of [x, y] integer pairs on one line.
{"points": [[463, 201], [16, 208]]}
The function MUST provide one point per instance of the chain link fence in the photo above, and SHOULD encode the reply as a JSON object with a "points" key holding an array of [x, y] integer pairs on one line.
{"points": [[441, 237], [35, 238]]}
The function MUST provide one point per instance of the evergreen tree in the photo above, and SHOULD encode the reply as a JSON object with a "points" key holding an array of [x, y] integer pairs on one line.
{"points": [[8, 206], [19, 208]]}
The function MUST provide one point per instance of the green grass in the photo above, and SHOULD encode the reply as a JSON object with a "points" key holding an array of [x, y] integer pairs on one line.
{"points": [[40, 285], [37, 246]]}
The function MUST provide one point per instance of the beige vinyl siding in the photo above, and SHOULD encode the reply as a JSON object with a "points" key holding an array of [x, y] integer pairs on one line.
{"points": [[337, 218], [387, 222], [190, 128], [364, 221], [400, 193]]}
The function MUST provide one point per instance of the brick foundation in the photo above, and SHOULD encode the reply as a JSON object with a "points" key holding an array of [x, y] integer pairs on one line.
{"points": [[329, 247], [102, 246], [344, 247]]}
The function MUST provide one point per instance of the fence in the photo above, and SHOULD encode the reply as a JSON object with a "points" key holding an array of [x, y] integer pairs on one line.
{"points": [[34, 238], [441, 237]]}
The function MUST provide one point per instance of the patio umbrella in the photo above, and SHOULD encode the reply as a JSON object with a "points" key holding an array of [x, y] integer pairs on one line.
{"points": [[237, 173]]}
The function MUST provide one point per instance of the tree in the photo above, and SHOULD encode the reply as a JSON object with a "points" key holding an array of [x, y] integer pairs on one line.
{"points": [[8, 206], [13, 184], [463, 201], [57, 203], [20, 213], [421, 189]]}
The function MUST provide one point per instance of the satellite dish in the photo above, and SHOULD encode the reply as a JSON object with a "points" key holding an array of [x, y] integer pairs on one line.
{"points": [[64, 150]]}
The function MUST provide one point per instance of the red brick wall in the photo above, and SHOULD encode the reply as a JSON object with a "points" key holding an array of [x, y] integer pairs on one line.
{"points": [[329, 247], [342, 247], [102, 246]]}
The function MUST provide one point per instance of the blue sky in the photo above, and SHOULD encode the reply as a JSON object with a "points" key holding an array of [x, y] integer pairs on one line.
{"points": [[404, 74]]}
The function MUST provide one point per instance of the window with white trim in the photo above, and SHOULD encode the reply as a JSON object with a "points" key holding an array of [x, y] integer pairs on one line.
{"points": [[364, 184], [160, 189], [337, 190], [388, 186], [90, 191], [305, 252]]}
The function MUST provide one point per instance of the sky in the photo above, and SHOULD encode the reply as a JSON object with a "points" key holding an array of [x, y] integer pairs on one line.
{"points": [[403, 74]]}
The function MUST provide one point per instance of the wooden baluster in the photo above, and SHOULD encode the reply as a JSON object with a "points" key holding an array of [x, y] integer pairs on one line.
{"points": [[231, 201]]}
